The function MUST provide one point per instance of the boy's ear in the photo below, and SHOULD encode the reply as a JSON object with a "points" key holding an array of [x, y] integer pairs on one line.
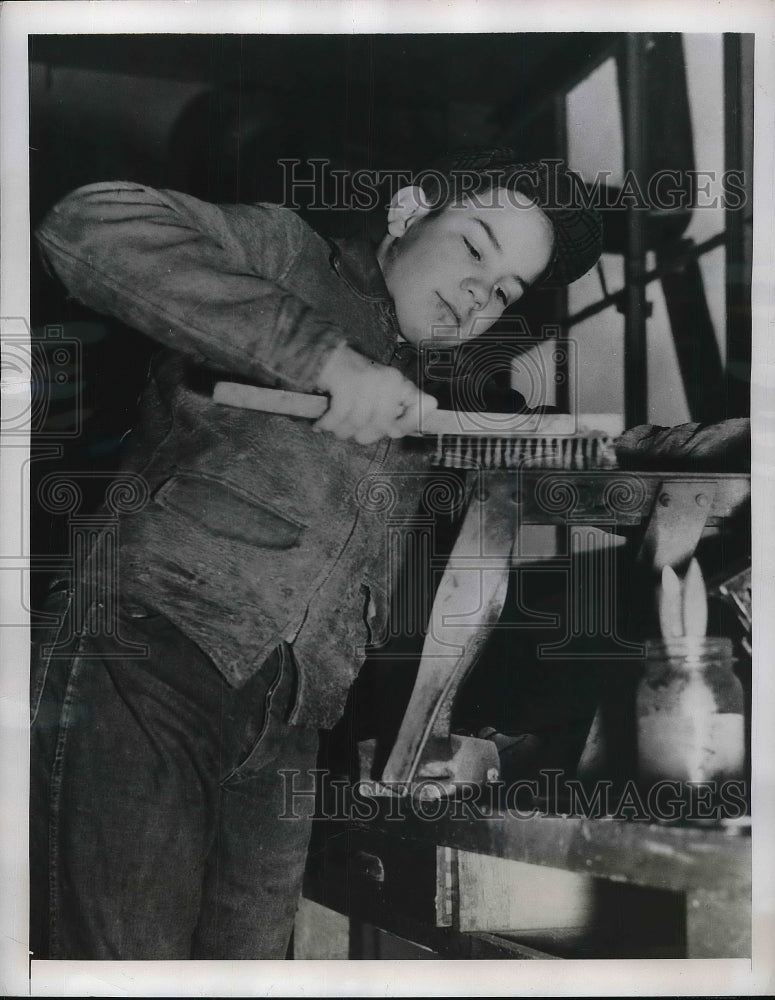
{"points": [[406, 206]]}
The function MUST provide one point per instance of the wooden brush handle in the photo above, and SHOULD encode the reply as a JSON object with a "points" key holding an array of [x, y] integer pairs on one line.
{"points": [[255, 397], [453, 422]]}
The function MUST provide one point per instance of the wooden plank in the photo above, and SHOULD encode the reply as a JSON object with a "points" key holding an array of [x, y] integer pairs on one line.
{"points": [[593, 918], [495, 894], [678, 858]]}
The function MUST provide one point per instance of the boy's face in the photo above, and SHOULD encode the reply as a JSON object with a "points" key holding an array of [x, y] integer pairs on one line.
{"points": [[452, 274]]}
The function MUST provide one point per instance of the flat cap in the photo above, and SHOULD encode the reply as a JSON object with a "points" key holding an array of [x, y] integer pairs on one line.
{"points": [[560, 192]]}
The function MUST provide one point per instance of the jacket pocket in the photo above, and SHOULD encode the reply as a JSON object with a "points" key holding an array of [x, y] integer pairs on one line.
{"points": [[229, 512], [263, 705]]}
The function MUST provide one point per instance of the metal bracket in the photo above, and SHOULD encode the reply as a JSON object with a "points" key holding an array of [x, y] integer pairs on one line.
{"points": [[452, 761], [469, 600], [679, 514]]}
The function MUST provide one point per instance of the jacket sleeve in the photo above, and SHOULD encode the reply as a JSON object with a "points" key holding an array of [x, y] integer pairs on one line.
{"points": [[202, 279]]}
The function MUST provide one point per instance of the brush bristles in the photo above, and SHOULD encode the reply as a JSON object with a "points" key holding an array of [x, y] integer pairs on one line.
{"points": [[529, 452]]}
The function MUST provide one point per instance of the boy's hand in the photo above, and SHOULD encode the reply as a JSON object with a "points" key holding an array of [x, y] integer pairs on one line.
{"points": [[368, 400]]}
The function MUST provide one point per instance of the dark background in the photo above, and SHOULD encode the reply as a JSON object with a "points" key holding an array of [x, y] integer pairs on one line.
{"points": [[362, 101]]}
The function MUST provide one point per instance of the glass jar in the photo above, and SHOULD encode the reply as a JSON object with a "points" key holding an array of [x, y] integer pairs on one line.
{"points": [[690, 712]]}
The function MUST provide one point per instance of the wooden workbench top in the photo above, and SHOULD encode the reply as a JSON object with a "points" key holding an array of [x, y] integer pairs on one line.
{"points": [[675, 857]]}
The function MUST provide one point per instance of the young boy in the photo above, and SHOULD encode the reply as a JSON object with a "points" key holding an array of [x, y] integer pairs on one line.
{"points": [[251, 571]]}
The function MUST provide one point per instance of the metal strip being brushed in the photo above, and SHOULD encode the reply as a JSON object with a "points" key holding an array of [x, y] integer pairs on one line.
{"points": [[468, 602], [468, 439]]}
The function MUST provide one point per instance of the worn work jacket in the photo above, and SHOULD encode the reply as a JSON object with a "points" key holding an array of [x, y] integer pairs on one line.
{"points": [[256, 530]]}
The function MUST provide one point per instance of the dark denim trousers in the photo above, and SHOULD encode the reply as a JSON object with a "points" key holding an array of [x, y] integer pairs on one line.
{"points": [[157, 806]]}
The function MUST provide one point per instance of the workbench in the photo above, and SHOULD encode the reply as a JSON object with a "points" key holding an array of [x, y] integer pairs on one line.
{"points": [[548, 886], [458, 880]]}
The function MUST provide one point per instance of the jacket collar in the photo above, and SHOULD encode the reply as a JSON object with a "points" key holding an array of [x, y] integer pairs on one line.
{"points": [[354, 260]]}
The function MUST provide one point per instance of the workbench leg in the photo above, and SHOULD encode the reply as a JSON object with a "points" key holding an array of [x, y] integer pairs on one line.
{"points": [[718, 923]]}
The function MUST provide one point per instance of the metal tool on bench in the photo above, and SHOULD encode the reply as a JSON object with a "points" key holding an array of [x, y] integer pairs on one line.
{"points": [[468, 602]]}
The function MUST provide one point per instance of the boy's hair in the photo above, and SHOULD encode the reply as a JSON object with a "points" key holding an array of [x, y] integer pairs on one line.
{"points": [[559, 192]]}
